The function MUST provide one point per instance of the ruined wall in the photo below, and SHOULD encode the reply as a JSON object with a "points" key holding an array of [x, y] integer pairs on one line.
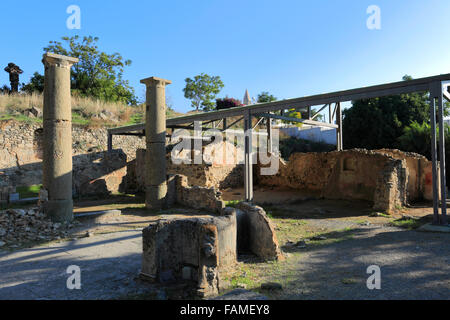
{"points": [[216, 175], [21, 156], [193, 249], [419, 173], [197, 197], [388, 178]]}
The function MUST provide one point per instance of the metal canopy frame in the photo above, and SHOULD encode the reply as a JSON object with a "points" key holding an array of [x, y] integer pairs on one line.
{"points": [[438, 86]]}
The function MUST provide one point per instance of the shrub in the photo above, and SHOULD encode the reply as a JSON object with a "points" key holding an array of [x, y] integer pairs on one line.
{"points": [[227, 103]]}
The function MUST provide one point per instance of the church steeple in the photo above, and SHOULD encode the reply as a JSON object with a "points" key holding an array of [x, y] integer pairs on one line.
{"points": [[247, 101]]}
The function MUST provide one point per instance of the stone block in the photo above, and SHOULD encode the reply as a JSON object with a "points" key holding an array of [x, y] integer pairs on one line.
{"points": [[262, 239], [177, 248]]}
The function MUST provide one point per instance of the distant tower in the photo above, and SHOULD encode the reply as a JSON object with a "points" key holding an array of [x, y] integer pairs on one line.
{"points": [[247, 101]]}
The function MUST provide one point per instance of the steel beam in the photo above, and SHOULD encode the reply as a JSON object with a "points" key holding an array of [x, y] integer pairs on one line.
{"points": [[442, 158], [305, 121], [339, 131], [401, 87], [269, 135], [258, 122], [248, 172], [110, 144], [330, 114], [317, 113], [234, 122], [434, 160]]}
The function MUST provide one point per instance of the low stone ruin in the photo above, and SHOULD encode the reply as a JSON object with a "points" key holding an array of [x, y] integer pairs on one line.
{"points": [[387, 178], [256, 232], [220, 176], [195, 197], [191, 249], [196, 249]]}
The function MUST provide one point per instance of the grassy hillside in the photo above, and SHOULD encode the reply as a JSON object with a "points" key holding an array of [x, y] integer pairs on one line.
{"points": [[85, 111]]}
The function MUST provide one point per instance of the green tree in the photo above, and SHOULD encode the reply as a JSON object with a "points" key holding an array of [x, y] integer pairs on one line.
{"points": [[294, 113], [97, 74], [379, 122], [202, 91], [36, 84], [265, 96], [416, 138]]}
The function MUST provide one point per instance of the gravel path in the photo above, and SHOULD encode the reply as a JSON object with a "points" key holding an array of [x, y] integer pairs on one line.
{"points": [[414, 265], [108, 262]]}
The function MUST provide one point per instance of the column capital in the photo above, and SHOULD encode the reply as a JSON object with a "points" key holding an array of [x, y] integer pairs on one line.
{"points": [[53, 59], [155, 81]]}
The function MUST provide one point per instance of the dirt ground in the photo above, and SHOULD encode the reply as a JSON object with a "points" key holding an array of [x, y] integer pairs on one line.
{"points": [[328, 245]]}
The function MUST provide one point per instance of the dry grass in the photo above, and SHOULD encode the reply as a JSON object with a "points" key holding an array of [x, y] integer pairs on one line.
{"points": [[85, 110], [19, 102]]}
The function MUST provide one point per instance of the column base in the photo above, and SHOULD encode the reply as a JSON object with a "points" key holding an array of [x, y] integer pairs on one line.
{"points": [[155, 197], [59, 210]]}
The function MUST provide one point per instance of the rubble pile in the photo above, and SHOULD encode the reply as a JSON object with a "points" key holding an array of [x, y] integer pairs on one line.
{"points": [[19, 226]]}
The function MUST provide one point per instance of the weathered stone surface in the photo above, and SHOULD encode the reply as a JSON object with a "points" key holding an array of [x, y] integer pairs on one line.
{"points": [[99, 173], [20, 226], [394, 178], [216, 175], [242, 228], [57, 155], [190, 248], [197, 197], [261, 233], [155, 135], [21, 149]]}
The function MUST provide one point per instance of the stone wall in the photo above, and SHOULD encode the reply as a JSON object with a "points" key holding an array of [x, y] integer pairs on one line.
{"points": [[388, 178], [191, 249], [196, 197], [21, 156], [219, 176], [256, 232], [419, 173]]}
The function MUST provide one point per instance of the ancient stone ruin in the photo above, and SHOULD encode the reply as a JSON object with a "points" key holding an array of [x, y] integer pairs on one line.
{"points": [[196, 249], [192, 248], [387, 178], [57, 163]]}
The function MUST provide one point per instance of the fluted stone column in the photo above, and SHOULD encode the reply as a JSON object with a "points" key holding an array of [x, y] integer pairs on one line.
{"points": [[57, 159], [155, 134]]}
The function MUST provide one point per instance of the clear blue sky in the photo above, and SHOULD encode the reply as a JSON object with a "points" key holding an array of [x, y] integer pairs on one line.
{"points": [[289, 48]]}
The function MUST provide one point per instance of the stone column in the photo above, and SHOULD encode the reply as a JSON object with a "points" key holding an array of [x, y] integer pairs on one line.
{"points": [[155, 134], [57, 159]]}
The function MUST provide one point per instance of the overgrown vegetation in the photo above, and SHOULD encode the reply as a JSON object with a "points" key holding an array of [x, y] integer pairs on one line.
{"points": [[97, 75]]}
